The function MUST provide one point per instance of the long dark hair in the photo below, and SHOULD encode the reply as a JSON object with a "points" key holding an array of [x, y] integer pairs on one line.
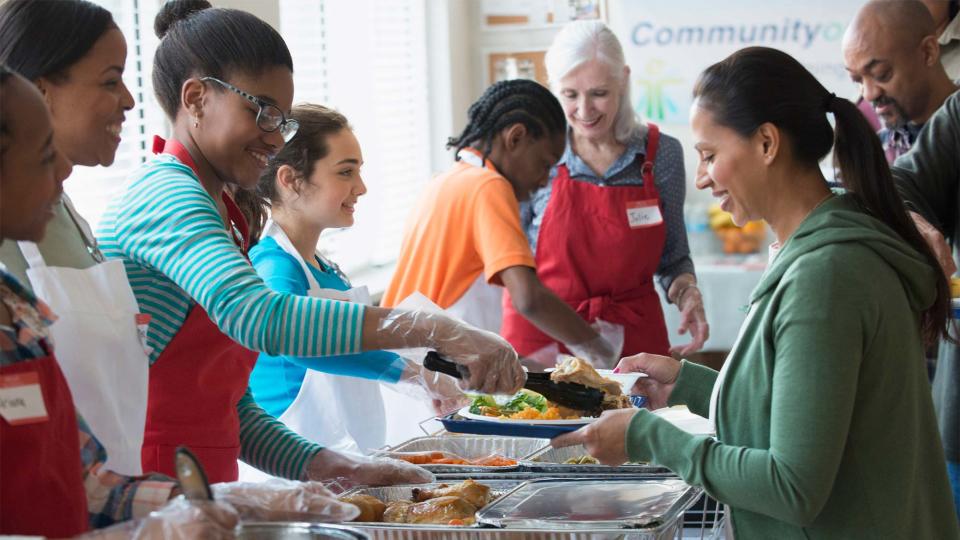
{"points": [[199, 40], [505, 103], [43, 39], [304, 149], [757, 85]]}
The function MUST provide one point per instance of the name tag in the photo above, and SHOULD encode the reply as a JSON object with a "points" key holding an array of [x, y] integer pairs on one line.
{"points": [[21, 401], [641, 214]]}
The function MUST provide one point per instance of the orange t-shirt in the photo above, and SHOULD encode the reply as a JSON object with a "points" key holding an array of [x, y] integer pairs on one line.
{"points": [[466, 222]]}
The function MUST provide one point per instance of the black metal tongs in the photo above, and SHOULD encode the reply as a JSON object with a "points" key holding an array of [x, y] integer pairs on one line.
{"points": [[571, 395]]}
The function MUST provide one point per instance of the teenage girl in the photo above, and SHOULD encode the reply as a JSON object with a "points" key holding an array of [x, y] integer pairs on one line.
{"points": [[224, 79]]}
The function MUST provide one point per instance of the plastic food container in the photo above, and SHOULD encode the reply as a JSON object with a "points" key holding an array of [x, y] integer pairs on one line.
{"points": [[471, 447], [298, 531], [550, 461], [653, 505]]}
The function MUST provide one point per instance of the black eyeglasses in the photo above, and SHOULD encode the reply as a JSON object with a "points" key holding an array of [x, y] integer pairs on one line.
{"points": [[269, 118]]}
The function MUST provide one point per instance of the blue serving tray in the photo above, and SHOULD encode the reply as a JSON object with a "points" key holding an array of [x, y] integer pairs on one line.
{"points": [[455, 423]]}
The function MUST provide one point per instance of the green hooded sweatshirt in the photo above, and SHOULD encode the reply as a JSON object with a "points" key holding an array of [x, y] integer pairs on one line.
{"points": [[825, 424]]}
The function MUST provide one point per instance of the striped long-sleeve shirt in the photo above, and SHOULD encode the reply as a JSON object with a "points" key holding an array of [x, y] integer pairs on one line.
{"points": [[168, 232]]}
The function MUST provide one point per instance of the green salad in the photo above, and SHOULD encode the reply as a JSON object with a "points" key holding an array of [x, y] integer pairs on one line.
{"points": [[522, 400]]}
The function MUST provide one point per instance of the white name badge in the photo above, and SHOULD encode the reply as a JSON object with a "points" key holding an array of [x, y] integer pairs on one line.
{"points": [[642, 214], [21, 401]]}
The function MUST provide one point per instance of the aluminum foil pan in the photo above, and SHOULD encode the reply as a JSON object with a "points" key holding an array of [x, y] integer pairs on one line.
{"points": [[382, 533], [298, 531], [651, 504], [390, 494], [550, 461], [471, 447]]}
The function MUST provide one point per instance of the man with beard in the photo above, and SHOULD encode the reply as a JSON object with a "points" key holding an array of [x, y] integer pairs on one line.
{"points": [[891, 50]]}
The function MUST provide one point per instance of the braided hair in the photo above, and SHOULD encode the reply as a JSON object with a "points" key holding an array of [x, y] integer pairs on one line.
{"points": [[517, 101]]}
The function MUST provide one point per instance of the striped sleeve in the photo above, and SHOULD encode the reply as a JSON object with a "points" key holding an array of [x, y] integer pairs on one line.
{"points": [[166, 223], [267, 444]]}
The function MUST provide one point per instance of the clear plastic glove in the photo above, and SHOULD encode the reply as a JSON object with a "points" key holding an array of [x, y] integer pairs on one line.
{"points": [[440, 390], [180, 519], [284, 500], [598, 351], [350, 470], [492, 362]]}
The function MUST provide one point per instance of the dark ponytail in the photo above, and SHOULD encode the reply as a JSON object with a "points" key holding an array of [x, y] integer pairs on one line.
{"points": [[199, 40], [757, 85], [305, 148]]}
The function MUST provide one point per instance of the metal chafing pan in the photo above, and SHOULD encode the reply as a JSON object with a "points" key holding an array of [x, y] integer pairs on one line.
{"points": [[549, 460], [298, 531], [390, 494], [471, 447]]}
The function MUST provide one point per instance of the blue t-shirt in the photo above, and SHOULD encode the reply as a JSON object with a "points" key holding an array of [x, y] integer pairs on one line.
{"points": [[276, 380]]}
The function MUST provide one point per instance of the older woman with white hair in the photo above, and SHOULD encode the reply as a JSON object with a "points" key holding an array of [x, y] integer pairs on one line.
{"points": [[611, 217]]}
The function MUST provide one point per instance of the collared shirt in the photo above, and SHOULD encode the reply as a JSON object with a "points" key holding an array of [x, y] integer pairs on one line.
{"points": [[898, 140], [950, 48], [669, 178]]}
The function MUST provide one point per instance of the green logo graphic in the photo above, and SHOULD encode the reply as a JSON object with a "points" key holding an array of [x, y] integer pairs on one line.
{"points": [[654, 103]]}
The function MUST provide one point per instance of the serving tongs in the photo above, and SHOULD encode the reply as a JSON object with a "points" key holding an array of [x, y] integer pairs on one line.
{"points": [[571, 395]]}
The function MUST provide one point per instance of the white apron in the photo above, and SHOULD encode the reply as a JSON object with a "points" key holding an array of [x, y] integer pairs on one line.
{"points": [[100, 341], [345, 414], [482, 305]]}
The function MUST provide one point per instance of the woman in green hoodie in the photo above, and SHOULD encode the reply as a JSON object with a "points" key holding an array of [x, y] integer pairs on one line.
{"points": [[824, 422]]}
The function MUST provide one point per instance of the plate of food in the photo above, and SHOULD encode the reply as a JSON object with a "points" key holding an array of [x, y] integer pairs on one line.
{"points": [[529, 414]]}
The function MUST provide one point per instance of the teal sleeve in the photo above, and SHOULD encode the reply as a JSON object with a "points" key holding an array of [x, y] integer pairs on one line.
{"points": [[792, 479], [283, 273], [693, 388], [269, 445]]}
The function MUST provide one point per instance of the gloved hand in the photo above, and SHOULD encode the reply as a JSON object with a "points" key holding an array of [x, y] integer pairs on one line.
{"points": [[493, 364], [441, 390], [349, 470], [284, 500], [180, 519], [598, 351]]}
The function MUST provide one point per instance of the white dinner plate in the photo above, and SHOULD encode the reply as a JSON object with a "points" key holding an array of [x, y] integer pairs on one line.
{"points": [[465, 412]]}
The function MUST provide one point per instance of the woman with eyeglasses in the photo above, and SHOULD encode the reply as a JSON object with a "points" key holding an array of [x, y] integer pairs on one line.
{"points": [[224, 79]]}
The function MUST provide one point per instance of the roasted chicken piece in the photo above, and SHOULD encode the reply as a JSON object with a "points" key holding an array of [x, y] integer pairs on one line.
{"points": [[438, 511], [575, 370], [371, 508], [476, 494]]}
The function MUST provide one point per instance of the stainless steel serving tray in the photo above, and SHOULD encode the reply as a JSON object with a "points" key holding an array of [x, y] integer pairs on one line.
{"points": [[549, 460], [390, 494], [298, 531], [652, 504], [471, 447]]}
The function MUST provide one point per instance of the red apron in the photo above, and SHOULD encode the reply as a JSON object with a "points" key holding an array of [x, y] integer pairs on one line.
{"points": [[42, 492], [196, 383], [600, 261]]}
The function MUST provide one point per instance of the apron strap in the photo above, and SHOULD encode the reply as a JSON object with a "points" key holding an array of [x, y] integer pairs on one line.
{"points": [[31, 253], [653, 143]]}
